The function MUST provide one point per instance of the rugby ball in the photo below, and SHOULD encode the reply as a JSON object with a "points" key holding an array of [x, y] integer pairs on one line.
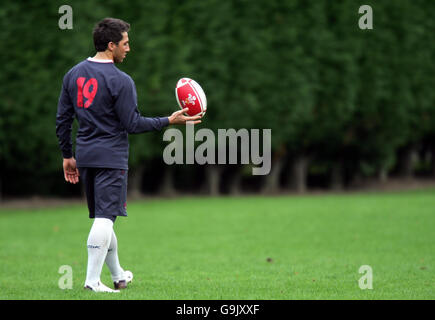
{"points": [[189, 94]]}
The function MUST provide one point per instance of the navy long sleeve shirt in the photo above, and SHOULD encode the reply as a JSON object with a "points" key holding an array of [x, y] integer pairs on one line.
{"points": [[104, 101]]}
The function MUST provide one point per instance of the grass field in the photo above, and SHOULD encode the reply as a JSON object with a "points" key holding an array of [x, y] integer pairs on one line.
{"points": [[297, 247]]}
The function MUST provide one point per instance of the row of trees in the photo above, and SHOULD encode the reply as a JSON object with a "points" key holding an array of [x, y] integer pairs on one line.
{"points": [[342, 103]]}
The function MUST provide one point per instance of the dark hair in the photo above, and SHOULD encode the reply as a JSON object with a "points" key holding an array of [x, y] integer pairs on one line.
{"points": [[108, 30]]}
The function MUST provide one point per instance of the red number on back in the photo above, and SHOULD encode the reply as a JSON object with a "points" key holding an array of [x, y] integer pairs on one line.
{"points": [[80, 82], [84, 91]]}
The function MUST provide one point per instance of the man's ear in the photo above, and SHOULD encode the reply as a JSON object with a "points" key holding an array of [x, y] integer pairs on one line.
{"points": [[111, 46]]}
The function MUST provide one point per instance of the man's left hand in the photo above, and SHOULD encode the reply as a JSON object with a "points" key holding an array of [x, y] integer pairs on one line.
{"points": [[179, 118]]}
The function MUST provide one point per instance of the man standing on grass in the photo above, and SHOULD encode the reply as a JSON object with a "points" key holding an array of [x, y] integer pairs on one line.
{"points": [[104, 101]]}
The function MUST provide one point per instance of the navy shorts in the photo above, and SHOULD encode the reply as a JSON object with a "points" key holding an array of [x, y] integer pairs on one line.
{"points": [[106, 192]]}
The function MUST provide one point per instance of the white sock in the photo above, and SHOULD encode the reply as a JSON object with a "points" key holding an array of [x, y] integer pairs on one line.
{"points": [[98, 244], [112, 259]]}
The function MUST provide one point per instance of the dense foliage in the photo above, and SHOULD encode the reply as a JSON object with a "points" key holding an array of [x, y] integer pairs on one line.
{"points": [[346, 102]]}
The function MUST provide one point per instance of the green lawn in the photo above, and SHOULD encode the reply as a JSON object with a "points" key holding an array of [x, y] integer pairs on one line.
{"points": [[296, 247]]}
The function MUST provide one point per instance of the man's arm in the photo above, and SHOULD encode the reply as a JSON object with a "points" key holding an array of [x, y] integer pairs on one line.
{"points": [[128, 113], [133, 122], [64, 120]]}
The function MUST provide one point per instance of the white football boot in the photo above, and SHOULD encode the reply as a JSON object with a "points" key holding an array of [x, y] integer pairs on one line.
{"points": [[126, 278], [100, 288]]}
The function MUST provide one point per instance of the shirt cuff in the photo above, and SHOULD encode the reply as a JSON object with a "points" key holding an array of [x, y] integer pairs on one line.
{"points": [[67, 154], [164, 121]]}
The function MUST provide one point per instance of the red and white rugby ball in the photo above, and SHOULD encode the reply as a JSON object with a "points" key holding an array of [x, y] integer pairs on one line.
{"points": [[189, 94]]}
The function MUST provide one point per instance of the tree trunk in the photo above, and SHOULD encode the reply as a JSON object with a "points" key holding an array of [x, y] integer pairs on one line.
{"points": [[433, 160], [212, 181], [406, 161], [299, 171], [337, 176], [272, 180], [135, 176], [167, 189], [236, 183], [382, 175]]}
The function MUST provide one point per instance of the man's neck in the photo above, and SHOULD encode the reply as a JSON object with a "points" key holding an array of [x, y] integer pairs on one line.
{"points": [[104, 55]]}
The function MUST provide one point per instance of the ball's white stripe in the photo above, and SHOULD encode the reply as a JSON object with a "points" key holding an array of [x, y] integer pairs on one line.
{"points": [[199, 97]]}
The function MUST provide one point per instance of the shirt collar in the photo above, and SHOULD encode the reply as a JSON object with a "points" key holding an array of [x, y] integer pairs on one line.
{"points": [[100, 60]]}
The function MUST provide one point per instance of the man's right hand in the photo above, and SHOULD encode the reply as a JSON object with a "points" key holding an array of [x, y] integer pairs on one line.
{"points": [[179, 118], [70, 170]]}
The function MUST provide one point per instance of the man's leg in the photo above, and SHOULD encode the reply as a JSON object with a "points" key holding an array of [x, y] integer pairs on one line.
{"points": [[110, 201], [98, 245], [120, 277], [101, 231], [112, 259]]}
